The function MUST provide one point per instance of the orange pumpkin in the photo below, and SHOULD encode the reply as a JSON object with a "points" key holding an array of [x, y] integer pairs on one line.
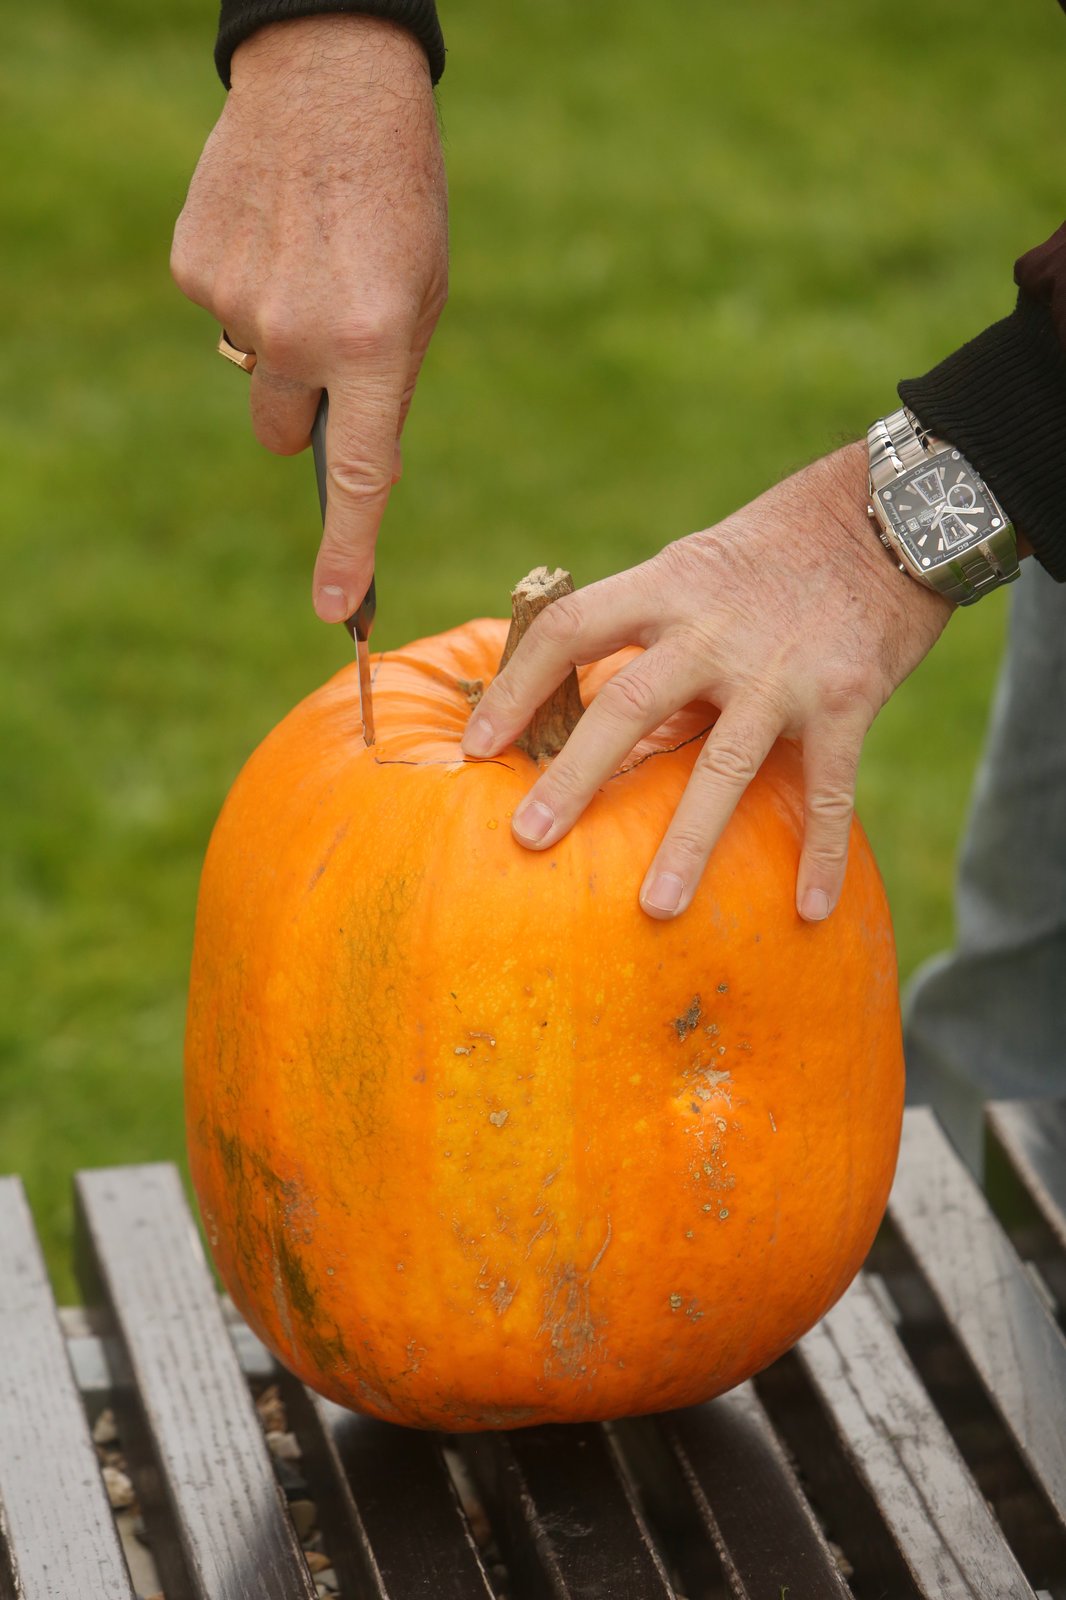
{"points": [[477, 1143]]}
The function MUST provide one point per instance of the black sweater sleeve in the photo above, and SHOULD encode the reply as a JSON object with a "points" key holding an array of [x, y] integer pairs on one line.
{"points": [[239, 18], [1002, 400]]}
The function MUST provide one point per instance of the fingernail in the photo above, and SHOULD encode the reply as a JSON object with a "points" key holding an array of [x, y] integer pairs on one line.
{"points": [[665, 892], [814, 907], [532, 821], [479, 738], [331, 603]]}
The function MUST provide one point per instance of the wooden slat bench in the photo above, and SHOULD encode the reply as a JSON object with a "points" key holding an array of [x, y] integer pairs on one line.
{"points": [[912, 1446]]}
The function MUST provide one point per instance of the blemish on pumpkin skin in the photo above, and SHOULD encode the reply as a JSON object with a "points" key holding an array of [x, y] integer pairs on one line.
{"points": [[324, 863], [498, 1118], [471, 689], [496, 1417], [281, 1304], [567, 1318], [502, 1296], [689, 1020], [541, 1230]]}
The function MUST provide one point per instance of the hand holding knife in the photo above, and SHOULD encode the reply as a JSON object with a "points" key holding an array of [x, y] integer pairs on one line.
{"points": [[361, 619]]}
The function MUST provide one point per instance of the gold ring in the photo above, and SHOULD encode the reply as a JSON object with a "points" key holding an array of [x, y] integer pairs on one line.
{"points": [[245, 359]]}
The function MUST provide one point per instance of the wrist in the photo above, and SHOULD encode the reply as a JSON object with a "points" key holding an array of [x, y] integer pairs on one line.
{"points": [[838, 484], [935, 514], [328, 44]]}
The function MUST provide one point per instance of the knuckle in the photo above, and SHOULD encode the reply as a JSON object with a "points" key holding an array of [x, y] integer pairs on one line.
{"points": [[828, 828], [568, 785], [371, 333], [727, 761], [278, 332], [358, 483], [688, 847], [560, 623], [629, 697], [678, 559], [188, 271], [844, 692], [501, 699], [228, 297], [831, 806], [827, 861]]}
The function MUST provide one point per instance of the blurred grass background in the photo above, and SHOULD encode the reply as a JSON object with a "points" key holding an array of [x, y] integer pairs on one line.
{"points": [[694, 246]]}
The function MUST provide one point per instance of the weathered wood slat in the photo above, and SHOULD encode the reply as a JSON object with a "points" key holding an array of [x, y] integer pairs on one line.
{"points": [[904, 1454], [57, 1534], [986, 1296], [748, 1500], [389, 1511], [1031, 1135], [566, 1515], [214, 1511]]}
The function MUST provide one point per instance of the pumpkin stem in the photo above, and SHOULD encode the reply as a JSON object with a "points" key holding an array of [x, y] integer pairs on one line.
{"points": [[554, 721]]}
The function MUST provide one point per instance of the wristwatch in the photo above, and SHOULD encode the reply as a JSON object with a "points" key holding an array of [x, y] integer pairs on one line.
{"points": [[935, 514]]}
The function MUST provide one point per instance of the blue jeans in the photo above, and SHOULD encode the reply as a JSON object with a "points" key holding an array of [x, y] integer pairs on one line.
{"points": [[988, 1020]]}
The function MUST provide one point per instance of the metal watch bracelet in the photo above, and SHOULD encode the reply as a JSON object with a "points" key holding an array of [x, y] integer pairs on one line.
{"points": [[897, 443]]}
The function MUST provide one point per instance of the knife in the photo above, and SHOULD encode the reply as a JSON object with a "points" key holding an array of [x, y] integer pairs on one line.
{"points": [[362, 618]]}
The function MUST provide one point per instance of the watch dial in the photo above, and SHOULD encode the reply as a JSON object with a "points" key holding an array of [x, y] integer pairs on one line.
{"points": [[940, 509]]}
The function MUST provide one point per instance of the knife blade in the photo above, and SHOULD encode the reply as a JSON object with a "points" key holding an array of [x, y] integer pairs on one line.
{"points": [[362, 618]]}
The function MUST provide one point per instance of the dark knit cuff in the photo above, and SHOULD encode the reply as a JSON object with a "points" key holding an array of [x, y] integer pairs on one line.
{"points": [[241, 18], [1001, 400]]}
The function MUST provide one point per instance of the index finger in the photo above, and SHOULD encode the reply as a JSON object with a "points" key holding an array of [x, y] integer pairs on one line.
{"points": [[361, 433], [578, 628]]}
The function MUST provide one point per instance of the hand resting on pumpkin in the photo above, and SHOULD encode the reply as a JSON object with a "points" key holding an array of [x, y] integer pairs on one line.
{"points": [[789, 616], [315, 231]]}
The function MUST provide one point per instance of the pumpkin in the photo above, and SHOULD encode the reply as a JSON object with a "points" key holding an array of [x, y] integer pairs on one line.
{"points": [[477, 1143]]}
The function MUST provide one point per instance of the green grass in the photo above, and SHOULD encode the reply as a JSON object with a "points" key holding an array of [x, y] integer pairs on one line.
{"points": [[693, 247]]}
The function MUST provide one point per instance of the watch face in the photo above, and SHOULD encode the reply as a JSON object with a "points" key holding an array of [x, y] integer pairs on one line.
{"points": [[940, 509]]}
